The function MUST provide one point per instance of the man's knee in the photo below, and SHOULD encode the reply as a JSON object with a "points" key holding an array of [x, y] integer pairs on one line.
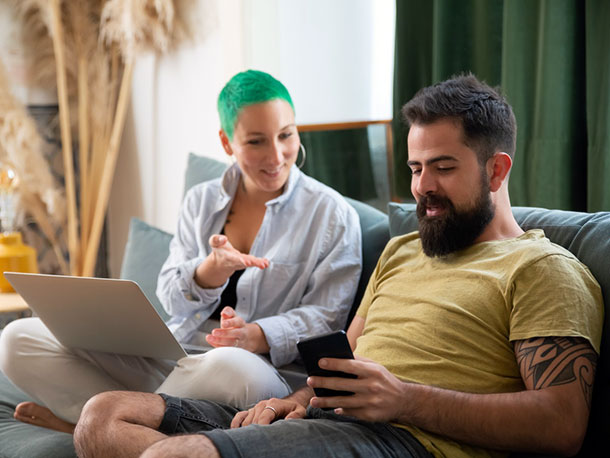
{"points": [[97, 414], [129, 406], [103, 407], [107, 410], [94, 419]]}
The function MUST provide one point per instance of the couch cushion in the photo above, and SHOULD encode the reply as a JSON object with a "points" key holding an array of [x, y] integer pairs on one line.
{"points": [[375, 236], [403, 218], [146, 250], [200, 169], [587, 236], [19, 440]]}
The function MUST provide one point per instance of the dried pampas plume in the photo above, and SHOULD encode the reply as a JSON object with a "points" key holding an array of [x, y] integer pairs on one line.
{"points": [[138, 25], [84, 48], [21, 145], [131, 27], [21, 148]]}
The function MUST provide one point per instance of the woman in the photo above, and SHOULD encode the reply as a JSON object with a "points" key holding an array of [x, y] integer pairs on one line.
{"points": [[261, 257], [284, 280]]}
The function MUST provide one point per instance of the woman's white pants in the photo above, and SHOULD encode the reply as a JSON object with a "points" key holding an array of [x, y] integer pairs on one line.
{"points": [[63, 379]]}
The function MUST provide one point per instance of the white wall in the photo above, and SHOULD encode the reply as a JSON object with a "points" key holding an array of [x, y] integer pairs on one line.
{"points": [[335, 57]]}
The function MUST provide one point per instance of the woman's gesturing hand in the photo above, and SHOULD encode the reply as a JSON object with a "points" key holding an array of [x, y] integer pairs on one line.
{"points": [[227, 257], [235, 332], [216, 269], [268, 411]]}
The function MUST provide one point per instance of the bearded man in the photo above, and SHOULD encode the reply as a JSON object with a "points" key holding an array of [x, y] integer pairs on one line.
{"points": [[473, 339]]}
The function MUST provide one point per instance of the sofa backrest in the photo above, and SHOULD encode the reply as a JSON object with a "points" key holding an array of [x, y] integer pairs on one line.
{"points": [[374, 225], [587, 236]]}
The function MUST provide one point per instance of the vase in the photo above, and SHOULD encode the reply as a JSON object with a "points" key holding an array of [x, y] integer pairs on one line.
{"points": [[15, 256]]}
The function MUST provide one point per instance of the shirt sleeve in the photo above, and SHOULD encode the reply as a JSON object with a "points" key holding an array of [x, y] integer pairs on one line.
{"points": [[177, 290], [556, 296], [371, 288], [329, 294]]}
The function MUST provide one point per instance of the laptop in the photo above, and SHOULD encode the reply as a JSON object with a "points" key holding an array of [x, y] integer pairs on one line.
{"points": [[100, 314]]}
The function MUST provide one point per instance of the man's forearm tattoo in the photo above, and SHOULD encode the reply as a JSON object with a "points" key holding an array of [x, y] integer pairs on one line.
{"points": [[550, 361]]}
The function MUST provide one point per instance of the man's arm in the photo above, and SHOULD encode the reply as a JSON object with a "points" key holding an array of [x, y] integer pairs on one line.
{"points": [[550, 416], [354, 331]]}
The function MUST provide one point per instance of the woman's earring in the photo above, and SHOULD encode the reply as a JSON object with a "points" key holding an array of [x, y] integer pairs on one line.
{"points": [[302, 163]]}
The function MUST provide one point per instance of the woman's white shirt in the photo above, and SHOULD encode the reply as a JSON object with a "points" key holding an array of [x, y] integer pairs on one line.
{"points": [[312, 239]]}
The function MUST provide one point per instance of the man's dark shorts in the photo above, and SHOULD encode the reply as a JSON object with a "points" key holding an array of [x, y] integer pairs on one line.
{"points": [[321, 434]]}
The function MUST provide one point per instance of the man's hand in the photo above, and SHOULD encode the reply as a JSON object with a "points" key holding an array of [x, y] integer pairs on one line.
{"points": [[235, 332], [378, 395], [220, 264], [268, 411]]}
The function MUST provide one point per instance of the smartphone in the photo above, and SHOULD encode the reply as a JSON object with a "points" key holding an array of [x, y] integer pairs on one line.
{"points": [[332, 345]]}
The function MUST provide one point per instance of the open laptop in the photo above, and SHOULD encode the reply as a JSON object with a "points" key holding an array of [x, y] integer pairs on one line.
{"points": [[100, 314]]}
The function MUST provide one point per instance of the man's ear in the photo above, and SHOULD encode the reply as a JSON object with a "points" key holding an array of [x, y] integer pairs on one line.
{"points": [[225, 142], [498, 167]]}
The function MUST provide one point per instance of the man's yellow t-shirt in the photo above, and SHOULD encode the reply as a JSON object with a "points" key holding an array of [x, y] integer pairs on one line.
{"points": [[451, 322]]}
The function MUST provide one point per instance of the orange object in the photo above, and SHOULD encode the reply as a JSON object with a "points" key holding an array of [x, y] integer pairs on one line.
{"points": [[15, 256]]}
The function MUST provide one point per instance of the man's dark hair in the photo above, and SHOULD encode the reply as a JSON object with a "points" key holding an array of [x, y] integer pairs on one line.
{"points": [[486, 117]]}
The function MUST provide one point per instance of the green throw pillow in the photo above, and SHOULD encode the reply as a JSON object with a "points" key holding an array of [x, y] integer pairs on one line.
{"points": [[146, 250], [200, 169]]}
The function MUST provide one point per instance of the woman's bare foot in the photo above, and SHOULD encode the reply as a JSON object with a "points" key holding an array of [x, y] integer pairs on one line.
{"points": [[35, 414]]}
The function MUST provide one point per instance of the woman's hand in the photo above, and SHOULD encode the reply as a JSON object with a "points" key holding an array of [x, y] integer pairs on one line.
{"points": [[268, 411], [220, 264], [235, 332]]}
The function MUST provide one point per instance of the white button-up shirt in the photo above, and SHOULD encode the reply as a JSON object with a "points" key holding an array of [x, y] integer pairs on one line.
{"points": [[312, 239]]}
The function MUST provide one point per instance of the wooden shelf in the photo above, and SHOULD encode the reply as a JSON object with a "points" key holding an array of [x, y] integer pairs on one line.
{"points": [[12, 302]]}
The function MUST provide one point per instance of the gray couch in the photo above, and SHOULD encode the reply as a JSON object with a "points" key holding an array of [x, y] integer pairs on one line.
{"points": [[586, 235]]}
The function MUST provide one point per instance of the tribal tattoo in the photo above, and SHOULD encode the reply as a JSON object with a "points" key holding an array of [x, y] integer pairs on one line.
{"points": [[551, 361]]}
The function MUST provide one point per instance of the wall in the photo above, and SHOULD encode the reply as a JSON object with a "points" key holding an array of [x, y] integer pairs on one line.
{"points": [[336, 58]]}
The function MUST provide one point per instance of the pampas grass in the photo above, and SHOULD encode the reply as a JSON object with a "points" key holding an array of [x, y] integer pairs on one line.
{"points": [[20, 147], [57, 34], [138, 25], [130, 27], [86, 49]]}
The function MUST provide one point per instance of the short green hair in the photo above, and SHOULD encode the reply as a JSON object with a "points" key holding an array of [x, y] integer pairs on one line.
{"points": [[247, 88]]}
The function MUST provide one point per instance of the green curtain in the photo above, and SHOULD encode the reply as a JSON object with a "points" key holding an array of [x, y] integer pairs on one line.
{"points": [[341, 159], [551, 60], [597, 15], [544, 79]]}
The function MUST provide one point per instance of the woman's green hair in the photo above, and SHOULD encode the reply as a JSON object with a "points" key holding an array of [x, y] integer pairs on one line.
{"points": [[247, 88]]}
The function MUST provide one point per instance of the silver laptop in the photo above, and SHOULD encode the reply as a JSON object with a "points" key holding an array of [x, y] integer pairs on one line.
{"points": [[98, 314]]}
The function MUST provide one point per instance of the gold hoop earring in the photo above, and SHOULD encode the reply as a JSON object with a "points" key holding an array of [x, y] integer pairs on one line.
{"points": [[302, 163]]}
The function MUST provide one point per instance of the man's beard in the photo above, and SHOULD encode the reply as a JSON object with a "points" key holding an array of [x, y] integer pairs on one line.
{"points": [[454, 229]]}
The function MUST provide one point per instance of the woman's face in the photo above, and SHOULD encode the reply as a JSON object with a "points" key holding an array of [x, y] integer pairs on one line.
{"points": [[265, 145]]}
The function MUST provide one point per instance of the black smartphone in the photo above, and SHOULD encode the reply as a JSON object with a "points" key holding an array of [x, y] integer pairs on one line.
{"points": [[331, 345]]}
